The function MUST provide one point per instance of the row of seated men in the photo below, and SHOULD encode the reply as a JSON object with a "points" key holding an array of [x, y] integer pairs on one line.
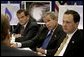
{"points": [[47, 39]]}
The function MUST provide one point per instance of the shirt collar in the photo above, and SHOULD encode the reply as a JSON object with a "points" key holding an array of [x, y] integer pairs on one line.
{"points": [[70, 35], [55, 28], [25, 25]]}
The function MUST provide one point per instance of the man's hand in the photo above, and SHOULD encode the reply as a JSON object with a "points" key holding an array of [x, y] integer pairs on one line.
{"points": [[13, 45], [40, 54], [17, 35], [16, 44], [40, 50]]}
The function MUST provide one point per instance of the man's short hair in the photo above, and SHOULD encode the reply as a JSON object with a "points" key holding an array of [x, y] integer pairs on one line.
{"points": [[22, 10], [52, 15], [76, 16]]}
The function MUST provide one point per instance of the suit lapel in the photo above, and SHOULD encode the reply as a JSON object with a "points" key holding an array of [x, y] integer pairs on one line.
{"points": [[73, 42], [27, 27], [54, 36], [73, 39]]}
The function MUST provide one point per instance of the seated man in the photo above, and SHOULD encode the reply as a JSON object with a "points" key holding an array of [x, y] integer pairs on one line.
{"points": [[73, 45], [6, 50], [48, 39], [26, 29]]}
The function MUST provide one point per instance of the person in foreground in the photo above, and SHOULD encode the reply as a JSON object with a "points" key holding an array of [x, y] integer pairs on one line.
{"points": [[6, 50], [73, 45]]}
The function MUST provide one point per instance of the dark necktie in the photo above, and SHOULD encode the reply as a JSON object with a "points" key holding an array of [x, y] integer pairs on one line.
{"points": [[47, 39], [22, 29]]}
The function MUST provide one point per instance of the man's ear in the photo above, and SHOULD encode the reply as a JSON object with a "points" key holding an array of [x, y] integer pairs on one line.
{"points": [[77, 23], [28, 16]]}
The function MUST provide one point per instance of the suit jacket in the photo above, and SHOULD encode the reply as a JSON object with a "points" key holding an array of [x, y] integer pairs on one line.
{"points": [[8, 51], [75, 46], [53, 43], [29, 32]]}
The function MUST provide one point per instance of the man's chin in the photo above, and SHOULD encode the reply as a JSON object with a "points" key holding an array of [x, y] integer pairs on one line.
{"points": [[22, 23], [50, 29], [65, 31]]}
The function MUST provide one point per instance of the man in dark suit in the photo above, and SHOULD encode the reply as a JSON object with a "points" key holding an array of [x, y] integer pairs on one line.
{"points": [[47, 40], [6, 50], [26, 29], [74, 42]]}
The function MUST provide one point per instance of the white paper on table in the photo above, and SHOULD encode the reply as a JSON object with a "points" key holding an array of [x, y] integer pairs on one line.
{"points": [[24, 49]]}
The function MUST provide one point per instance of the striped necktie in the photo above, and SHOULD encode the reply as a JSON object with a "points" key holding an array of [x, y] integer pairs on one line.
{"points": [[61, 46]]}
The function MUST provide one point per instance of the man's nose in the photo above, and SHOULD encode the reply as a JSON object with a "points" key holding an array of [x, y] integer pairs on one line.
{"points": [[64, 24], [21, 19]]}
